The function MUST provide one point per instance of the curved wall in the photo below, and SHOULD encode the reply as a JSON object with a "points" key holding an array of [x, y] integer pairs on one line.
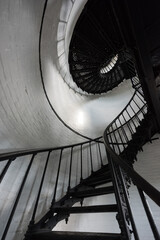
{"points": [[87, 114], [26, 119]]}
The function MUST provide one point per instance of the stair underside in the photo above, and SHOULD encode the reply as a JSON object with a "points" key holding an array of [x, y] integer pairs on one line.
{"points": [[87, 209], [75, 236], [93, 192]]}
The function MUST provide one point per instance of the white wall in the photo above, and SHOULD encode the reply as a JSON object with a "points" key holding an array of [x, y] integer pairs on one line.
{"points": [[26, 119], [87, 114]]}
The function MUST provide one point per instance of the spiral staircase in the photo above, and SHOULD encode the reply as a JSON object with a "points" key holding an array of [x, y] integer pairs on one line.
{"points": [[98, 63]]}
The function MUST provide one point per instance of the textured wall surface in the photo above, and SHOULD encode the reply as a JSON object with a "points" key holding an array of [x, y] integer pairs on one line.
{"points": [[26, 119]]}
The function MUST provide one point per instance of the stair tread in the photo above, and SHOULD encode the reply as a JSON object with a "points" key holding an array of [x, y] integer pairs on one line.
{"points": [[88, 209], [58, 235], [93, 192]]}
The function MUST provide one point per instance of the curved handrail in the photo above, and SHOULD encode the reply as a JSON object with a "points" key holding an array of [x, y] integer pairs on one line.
{"points": [[15, 154], [122, 128], [153, 193]]}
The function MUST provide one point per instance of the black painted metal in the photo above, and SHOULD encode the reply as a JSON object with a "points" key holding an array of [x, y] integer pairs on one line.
{"points": [[4, 171], [135, 233], [70, 170], [81, 163], [121, 216], [100, 155], [75, 235], [87, 209], [91, 160], [17, 199], [90, 52], [149, 215], [39, 191], [56, 184], [94, 192]]}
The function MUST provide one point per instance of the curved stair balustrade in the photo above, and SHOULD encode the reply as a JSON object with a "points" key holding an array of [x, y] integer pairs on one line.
{"points": [[70, 180], [98, 58], [124, 137], [124, 127]]}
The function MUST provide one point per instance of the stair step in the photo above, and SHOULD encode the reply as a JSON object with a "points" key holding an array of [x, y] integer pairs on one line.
{"points": [[93, 192], [75, 236], [102, 170], [87, 209], [98, 180]]}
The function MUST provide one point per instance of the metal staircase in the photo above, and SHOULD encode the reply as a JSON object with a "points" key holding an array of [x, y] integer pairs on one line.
{"points": [[97, 174], [93, 168]]}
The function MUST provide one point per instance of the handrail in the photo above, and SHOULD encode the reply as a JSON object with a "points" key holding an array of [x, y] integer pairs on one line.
{"points": [[122, 128], [5, 156], [153, 193], [77, 152]]}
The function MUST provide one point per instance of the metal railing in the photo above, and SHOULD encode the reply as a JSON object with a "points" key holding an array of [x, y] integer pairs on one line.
{"points": [[118, 138], [81, 153]]}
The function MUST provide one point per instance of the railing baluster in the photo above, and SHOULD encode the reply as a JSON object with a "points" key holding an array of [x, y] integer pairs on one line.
{"points": [[100, 155], [131, 119], [135, 114], [40, 189], [17, 198], [116, 140], [128, 205], [124, 132], [118, 197], [91, 157], [70, 170], [81, 163], [127, 124], [57, 177], [120, 136], [5, 169], [149, 215]]}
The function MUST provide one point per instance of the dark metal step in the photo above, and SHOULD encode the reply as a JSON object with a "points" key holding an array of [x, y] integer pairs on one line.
{"points": [[95, 181], [93, 192], [87, 209], [75, 236]]}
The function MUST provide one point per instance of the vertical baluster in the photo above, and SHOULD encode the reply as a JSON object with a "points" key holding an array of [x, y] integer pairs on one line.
{"points": [[110, 136], [81, 163], [17, 198], [128, 125], [111, 141], [116, 141], [70, 171], [5, 169], [100, 154], [124, 132], [149, 215], [57, 177], [131, 118], [140, 108], [128, 204], [91, 157], [39, 191], [135, 114], [142, 100], [120, 136], [125, 230]]}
